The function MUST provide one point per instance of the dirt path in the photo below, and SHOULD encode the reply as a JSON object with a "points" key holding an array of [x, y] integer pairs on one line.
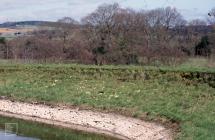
{"points": [[109, 124]]}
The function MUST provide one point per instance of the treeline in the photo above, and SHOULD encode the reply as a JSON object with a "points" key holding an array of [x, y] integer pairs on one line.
{"points": [[114, 35]]}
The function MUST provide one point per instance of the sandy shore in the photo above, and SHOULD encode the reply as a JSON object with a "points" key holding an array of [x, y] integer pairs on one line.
{"points": [[109, 124]]}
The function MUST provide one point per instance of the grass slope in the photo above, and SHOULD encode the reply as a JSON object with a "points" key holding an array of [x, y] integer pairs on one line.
{"points": [[181, 96]]}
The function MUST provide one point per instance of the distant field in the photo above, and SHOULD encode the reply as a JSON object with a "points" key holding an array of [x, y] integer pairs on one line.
{"points": [[181, 97], [8, 30], [10, 33]]}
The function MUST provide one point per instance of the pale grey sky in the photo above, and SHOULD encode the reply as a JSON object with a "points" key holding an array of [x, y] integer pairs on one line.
{"points": [[18, 10]]}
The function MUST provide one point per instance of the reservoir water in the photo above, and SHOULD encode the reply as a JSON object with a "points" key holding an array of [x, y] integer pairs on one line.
{"points": [[7, 136], [26, 130]]}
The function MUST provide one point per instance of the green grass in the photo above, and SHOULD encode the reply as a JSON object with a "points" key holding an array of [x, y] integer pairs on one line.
{"points": [[150, 93], [191, 65], [47, 132]]}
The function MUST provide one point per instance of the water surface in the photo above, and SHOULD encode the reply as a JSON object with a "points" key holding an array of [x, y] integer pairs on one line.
{"points": [[7, 136], [34, 131]]}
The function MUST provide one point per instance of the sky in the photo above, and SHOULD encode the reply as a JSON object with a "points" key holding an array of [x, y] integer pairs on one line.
{"points": [[52, 10]]}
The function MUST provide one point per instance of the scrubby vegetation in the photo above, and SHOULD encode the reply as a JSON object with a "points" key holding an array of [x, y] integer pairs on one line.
{"points": [[115, 35]]}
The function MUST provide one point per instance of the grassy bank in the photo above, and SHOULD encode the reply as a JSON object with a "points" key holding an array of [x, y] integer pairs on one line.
{"points": [[184, 96], [191, 65], [47, 132]]}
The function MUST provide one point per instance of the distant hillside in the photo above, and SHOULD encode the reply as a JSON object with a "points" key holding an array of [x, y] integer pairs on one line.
{"points": [[21, 23]]}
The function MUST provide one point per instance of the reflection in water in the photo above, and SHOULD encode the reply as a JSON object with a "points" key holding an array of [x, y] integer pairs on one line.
{"points": [[4, 136], [36, 131]]}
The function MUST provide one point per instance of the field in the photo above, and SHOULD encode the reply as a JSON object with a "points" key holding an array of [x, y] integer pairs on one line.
{"points": [[182, 98], [9, 30], [9, 33]]}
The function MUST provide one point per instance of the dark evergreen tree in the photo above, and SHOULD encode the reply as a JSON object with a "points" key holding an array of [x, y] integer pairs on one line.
{"points": [[203, 48]]}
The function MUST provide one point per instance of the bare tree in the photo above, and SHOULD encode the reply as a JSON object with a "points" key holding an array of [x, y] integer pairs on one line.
{"points": [[100, 26], [36, 48], [197, 22], [211, 16], [162, 22], [172, 18], [68, 20], [166, 17], [66, 27]]}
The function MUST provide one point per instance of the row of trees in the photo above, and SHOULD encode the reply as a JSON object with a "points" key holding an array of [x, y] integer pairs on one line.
{"points": [[114, 35]]}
